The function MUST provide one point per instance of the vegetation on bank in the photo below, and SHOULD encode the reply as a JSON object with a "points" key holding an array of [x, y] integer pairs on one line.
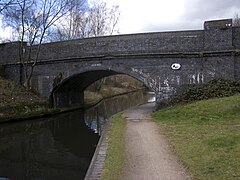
{"points": [[215, 88], [202, 125], [206, 136], [18, 103], [115, 160], [15, 101]]}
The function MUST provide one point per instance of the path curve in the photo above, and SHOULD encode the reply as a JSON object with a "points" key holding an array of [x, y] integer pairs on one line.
{"points": [[149, 156]]}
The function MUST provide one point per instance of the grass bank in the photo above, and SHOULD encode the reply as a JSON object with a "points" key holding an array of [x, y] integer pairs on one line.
{"points": [[206, 136], [115, 159], [16, 102]]}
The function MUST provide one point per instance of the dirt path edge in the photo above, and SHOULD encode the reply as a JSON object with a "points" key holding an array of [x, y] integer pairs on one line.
{"points": [[149, 156]]}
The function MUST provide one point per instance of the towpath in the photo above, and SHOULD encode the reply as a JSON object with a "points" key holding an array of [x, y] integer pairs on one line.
{"points": [[149, 156]]}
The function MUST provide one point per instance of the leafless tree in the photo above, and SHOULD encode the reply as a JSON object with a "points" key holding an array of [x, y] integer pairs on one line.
{"points": [[103, 20], [74, 22], [91, 20], [5, 3], [31, 19], [236, 20]]}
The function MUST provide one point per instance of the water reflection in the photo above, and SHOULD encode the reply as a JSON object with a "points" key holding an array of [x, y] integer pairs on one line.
{"points": [[96, 117], [56, 148]]}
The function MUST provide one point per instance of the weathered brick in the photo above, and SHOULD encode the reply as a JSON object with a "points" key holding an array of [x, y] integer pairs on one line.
{"points": [[148, 57]]}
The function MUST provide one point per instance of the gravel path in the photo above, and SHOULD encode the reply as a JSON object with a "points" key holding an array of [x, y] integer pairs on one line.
{"points": [[148, 154]]}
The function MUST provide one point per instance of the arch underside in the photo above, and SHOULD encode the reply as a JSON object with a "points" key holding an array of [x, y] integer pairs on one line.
{"points": [[70, 92]]}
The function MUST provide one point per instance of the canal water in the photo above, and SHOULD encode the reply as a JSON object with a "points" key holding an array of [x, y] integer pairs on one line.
{"points": [[60, 147]]}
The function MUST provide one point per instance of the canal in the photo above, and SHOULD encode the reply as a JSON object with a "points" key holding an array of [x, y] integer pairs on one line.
{"points": [[60, 147]]}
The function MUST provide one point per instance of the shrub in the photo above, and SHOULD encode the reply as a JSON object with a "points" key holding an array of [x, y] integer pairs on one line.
{"points": [[213, 89]]}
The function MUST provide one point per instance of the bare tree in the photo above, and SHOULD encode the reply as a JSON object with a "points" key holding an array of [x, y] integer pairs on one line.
{"points": [[103, 20], [31, 19], [5, 3], [89, 20], [74, 21], [236, 20]]}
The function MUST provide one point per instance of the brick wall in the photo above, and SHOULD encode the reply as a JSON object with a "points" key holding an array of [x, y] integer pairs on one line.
{"points": [[236, 37], [9, 52], [203, 55], [218, 35], [188, 41]]}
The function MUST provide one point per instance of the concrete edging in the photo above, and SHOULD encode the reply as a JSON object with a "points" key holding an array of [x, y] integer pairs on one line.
{"points": [[95, 169]]}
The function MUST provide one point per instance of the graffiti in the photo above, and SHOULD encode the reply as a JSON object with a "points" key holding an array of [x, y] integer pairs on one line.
{"points": [[196, 78], [96, 65], [150, 82], [160, 86], [178, 80], [166, 82], [212, 73]]}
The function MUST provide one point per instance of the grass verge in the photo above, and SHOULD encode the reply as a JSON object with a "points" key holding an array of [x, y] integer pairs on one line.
{"points": [[206, 136], [115, 159]]}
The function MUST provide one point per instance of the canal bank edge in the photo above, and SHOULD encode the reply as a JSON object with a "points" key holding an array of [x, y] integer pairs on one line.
{"points": [[48, 112], [95, 168]]}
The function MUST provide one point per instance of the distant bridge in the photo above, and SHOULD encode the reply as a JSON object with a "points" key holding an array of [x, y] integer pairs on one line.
{"points": [[163, 61]]}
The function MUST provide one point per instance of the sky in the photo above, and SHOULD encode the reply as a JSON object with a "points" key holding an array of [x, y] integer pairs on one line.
{"points": [[170, 15]]}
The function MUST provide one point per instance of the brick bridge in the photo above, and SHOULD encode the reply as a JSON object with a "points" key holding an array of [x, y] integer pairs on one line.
{"points": [[163, 61]]}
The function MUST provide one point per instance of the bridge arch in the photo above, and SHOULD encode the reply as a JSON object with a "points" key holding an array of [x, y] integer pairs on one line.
{"points": [[70, 91], [163, 61]]}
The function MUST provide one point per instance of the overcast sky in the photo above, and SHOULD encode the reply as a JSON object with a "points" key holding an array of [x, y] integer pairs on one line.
{"points": [[169, 15]]}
